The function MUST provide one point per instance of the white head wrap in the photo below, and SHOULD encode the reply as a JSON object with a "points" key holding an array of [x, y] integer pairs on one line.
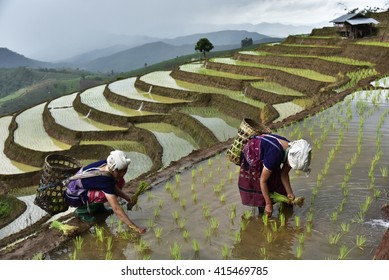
{"points": [[299, 155], [118, 160]]}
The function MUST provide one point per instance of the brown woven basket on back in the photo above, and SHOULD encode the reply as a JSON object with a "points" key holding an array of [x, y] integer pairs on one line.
{"points": [[49, 195], [247, 128]]}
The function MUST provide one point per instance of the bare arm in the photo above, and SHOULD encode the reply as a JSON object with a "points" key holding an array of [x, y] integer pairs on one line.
{"points": [[114, 203], [286, 180], [265, 175], [122, 194]]}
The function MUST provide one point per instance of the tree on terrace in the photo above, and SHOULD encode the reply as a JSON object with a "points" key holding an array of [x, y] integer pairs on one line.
{"points": [[204, 45]]}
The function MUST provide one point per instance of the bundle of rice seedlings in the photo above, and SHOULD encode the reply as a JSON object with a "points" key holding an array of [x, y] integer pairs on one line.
{"points": [[67, 230], [143, 187], [276, 197]]}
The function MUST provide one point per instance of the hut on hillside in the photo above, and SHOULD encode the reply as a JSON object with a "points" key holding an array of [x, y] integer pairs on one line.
{"points": [[355, 25]]}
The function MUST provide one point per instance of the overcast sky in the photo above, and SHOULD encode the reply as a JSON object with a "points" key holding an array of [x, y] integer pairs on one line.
{"points": [[53, 29]]}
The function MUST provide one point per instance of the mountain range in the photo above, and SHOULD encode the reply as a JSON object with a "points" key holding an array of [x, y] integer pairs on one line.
{"points": [[123, 57]]}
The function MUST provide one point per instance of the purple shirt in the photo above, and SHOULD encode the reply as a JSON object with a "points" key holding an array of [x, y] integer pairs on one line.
{"points": [[101, 183], [271, 151]]}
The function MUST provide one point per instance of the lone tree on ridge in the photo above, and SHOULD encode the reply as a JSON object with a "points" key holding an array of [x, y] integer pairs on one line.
{"points": [[203, 45]]}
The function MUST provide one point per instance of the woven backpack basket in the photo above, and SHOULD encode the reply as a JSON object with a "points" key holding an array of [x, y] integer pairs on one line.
{"points": [[49, 195], [247, 128]]}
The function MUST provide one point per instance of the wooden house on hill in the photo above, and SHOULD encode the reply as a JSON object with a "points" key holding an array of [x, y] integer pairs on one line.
{"points": [[355, 25]]}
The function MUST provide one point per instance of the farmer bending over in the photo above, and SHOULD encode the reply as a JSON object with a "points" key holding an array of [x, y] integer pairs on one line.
{"points": [[265, 164], [89, 194]]}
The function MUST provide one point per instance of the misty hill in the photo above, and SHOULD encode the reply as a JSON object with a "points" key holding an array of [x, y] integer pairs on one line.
{"points": [[123, 58], [151, 53], [218, 38], [10, 59]]}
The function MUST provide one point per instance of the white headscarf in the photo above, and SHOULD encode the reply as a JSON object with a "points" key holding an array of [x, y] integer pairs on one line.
{"points": [[118, 160], [299, 155]]}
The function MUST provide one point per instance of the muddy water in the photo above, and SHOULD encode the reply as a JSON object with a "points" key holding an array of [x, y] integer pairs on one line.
{"points": [[335, 204]]}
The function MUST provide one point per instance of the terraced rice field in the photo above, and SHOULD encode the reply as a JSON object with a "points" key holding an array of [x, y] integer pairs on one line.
{"points": [[201, 206]]}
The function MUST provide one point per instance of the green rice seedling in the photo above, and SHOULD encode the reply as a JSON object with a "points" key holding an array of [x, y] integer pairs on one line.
{"points": [[269, 237], [99, 233], [233, 208], [243, 224], [66, 229], [142, 246], [150, 223], [237, 237], [377, 193], [204, 181], [210, 162], [157, 212], [343, 252], [74, 255], [247, 215], [217, 188], [225, 252], [384, 171], [346, 192], [366, 205], [282, 220], [194, 197], [214, 223], [301, 238], [109, 243], [146, 257], [38, 257], [299, 251], [168, 186], [207, 233], [200, 169], [160, 203], [183, 203], [193, 174], [360, 241], [185, 234], [230, 176], [175, 195], [178, 179], [359, 217], [263, 252], [297, 221], [192, 187], [222, 198], [182, 223], [206, 211], [308, 227], [345, 227], [108, 256], [78, 240], [274, 226], [195, 245], [265, 219], [176, 215], [149, 196], [333, 238], [210, 174], [158, 232], [334, 216]]}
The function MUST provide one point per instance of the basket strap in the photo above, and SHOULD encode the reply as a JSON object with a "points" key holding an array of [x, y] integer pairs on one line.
{"points": [[87, 174]]}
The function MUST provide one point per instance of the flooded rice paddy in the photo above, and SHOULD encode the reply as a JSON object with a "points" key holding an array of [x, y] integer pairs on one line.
{"points": [[198, 214]]}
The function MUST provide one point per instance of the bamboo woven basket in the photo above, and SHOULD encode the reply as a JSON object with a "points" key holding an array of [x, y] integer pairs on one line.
{"points": [[247, 128], [49, 195], [58, 167]]}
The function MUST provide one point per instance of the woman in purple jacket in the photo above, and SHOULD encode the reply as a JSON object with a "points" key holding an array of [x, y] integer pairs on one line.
{"points": [[265, 164]]}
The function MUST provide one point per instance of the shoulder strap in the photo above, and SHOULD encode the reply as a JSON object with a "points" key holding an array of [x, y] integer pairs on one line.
{"points": [[87, 174], [267, 140]]}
